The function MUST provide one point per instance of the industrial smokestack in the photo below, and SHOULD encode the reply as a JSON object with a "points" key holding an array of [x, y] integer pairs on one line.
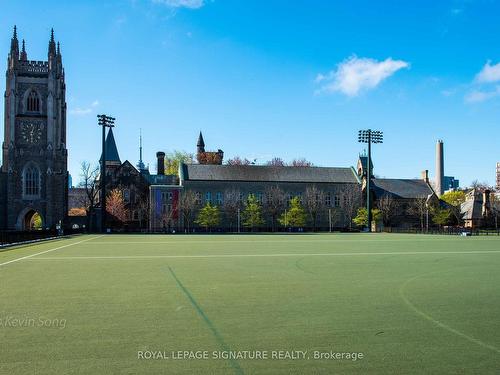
{"points": [[439, 168], [160, 156]]}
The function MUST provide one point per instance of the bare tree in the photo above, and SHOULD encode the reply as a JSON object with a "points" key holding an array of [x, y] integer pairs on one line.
{"points": [[419, 207], [274, 204], [313, 203], [279, 162], [187, 203], [388, 207], [351, 202], [142, 207], [238, 161], [232, 203], [166, 217], [276, 162], [89, 181], [300, 163], [481, 186]]}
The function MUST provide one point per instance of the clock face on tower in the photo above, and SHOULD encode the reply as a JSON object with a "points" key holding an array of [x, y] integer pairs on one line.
{"points": [[31, 132]]}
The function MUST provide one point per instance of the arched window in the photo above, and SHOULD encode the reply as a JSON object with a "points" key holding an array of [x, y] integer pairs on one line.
{"points": [[33, 104], [31, 181]]}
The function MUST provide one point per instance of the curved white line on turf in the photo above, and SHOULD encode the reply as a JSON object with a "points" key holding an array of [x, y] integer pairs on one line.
{"points": [[47, 251], [437, 322]]}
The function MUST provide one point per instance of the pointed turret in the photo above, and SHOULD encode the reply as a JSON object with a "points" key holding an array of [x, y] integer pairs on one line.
{"points": [[24, 55], [201, 143], [14, 45], [52, 44], [112, 157]]}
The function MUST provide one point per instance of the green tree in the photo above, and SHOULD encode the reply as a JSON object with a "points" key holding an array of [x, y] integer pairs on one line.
{"points": [[455, 200], [208, 217], [252, 214], [295, 216], [174, 159], [361, 219], [441, 216]]}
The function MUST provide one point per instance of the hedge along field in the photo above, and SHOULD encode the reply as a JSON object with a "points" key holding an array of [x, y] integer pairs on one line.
{"points": [[236, 304]]}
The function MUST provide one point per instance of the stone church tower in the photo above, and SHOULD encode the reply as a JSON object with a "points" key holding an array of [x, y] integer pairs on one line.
{"points": [[34, 154]]}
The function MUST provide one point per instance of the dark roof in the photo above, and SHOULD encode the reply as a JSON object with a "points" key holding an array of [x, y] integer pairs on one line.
{"points": [[261, 173], [401, 188], [111, 150], [472, 209]]}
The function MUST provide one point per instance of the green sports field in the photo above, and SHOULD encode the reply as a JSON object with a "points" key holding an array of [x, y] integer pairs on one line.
{"points": [[137, 304]]}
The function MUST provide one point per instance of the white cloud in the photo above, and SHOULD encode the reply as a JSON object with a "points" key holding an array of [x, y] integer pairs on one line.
{"points": [[477, 96], [80, 111], [354, 75], [190, 4], [489, 73], [84, 111]]}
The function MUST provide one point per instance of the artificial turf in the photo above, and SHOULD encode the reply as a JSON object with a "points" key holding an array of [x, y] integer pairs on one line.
{"points": [[408, 303]]}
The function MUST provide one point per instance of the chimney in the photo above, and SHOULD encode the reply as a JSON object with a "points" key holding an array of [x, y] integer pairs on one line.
{"points": [[486, 203], [160, 155], [439, 168], [425, 175]]}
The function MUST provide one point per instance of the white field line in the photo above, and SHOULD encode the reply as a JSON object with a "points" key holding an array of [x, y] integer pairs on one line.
{"points": [[204, 242], [265, 255], [440, 324], [47, 251]]}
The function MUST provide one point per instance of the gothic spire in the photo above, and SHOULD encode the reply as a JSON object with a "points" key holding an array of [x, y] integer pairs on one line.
{"points": [[58, 49], [24, 55], [201, 143], [52, 43], [111, 154], [14, 44]]}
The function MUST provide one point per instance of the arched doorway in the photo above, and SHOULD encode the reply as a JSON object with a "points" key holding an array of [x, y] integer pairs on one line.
{"points": [[32, 221]]}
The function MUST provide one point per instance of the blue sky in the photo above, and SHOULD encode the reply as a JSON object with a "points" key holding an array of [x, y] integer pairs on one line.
{"points": [[278, 78]]}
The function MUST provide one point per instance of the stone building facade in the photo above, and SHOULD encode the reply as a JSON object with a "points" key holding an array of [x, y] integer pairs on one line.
{"points": [[228, 187], [34, 156]]}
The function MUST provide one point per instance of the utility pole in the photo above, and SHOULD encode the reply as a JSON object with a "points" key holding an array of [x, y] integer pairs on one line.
{"points": [[105, 122], [369, 136]]}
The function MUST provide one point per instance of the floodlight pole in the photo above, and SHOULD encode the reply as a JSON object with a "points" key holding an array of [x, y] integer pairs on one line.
{"points": [[105, 122], [369, 136], [368, 178]]}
